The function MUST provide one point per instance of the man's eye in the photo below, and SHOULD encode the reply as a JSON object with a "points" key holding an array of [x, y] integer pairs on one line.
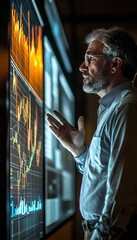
{"points": [[90, 58]]}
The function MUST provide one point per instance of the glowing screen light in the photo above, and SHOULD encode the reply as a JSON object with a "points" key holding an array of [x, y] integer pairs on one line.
{"points": [[26, 122], [59, 163]]}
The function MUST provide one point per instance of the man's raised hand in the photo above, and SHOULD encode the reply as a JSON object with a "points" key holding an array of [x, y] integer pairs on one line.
{"points": [[70, 137]]}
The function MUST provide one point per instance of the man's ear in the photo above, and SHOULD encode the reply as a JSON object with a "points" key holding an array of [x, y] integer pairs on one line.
{"points": [[116, 64]]}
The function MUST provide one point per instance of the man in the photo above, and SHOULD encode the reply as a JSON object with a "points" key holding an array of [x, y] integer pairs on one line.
{"points": [[108, 198]]}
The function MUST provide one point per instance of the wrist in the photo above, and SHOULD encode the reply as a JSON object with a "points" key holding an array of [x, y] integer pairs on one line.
{"points": [[78, 151]]}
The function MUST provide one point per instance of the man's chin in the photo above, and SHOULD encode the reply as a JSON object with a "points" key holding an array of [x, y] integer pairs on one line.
{"points": [[87, 89]]}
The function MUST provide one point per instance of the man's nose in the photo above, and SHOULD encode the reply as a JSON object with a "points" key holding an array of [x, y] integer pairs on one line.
{"points": [[83, 67]]}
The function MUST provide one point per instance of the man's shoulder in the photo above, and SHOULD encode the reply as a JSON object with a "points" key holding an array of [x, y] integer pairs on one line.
{"points": [[127, 96]]}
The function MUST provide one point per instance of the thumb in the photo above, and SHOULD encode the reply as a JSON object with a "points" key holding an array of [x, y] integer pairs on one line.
{"points": [[81, 125]]}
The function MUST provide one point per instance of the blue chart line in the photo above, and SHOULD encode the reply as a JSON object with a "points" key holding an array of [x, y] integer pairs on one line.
{"points": [[24, 208]]}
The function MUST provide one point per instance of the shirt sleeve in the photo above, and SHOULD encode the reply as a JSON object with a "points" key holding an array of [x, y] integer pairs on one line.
{"points": [[80, 161], [98, 235], [121, 186]]}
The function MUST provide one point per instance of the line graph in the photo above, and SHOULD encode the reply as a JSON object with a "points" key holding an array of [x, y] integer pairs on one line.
{"points": [[25, 136]]}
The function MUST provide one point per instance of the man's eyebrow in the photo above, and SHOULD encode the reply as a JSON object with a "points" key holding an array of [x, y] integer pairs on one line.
{"points": [[89, 53], [95, 53]]}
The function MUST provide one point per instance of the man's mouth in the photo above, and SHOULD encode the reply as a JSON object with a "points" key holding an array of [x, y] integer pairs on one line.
{"points": [[85, 78], [85, 75]]}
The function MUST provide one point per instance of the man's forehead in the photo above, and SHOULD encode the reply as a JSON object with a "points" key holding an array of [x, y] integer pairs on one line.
{"points": [[95, 46]]}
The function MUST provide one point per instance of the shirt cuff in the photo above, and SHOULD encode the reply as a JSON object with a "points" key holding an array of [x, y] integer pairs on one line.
{"points": [[81, 158], [80, 161], [102, 227]]}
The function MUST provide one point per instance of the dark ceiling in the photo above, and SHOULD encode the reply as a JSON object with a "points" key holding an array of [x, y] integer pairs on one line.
{"points": [[79, 17]]}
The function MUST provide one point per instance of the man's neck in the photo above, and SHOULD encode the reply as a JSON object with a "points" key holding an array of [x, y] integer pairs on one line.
{"points": [[112, 84]]}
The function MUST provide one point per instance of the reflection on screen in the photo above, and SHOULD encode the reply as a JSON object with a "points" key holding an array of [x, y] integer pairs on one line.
{"points": [[26, 126], [60, 167]]}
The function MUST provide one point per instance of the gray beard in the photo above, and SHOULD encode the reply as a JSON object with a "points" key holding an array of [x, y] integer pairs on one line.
{"points": [[96, 85]]}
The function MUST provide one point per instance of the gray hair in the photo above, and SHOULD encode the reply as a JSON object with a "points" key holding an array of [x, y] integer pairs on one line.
{"points": [[118, 42]]}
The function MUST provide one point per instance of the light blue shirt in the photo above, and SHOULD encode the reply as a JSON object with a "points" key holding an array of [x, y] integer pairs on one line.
{"points": [[109, 165]]}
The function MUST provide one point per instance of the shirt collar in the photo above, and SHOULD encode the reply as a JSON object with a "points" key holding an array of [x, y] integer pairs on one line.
{"points": [[109, 98]]}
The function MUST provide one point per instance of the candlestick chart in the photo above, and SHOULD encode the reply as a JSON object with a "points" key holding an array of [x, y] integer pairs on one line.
{"points": [[26, 123]]}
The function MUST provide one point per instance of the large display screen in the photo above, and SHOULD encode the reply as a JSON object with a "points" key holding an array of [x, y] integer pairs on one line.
{"points": [[26, 122], [59, 167]]}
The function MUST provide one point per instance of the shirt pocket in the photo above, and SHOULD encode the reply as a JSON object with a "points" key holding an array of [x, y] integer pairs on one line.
{"points": [[96, 152]]}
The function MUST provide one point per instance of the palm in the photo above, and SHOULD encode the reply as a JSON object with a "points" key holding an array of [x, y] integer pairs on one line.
{"points": [[70, 137]]}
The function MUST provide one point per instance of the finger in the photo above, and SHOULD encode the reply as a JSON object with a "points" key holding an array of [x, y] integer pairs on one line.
{"points": [[60, 117], [81, 125], [55, 131], [52, 121]]}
